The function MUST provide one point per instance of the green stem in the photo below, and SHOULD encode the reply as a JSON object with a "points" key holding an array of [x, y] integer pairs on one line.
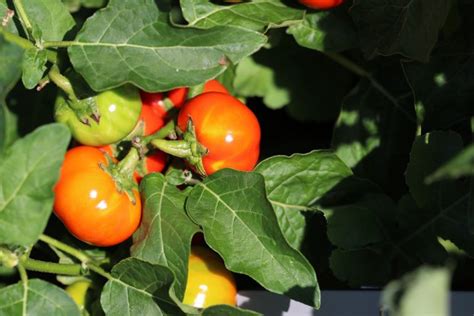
{"points": [[24, 280], [100, 271], [163, 132], [26, 44], [126, 167], [51, 267], [62, 82], [25, 22], [177, 148], [65, 248]]}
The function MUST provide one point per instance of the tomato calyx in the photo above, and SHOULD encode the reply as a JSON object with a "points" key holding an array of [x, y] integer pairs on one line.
{"points": [[187, 148], [122, 172]]}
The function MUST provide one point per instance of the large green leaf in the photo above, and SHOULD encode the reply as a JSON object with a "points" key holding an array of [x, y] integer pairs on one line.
{"points": [[295, 183], [239, 223], [36, 297], [326, 31], [28, 171], [165, 233], [8, 127], [442, 207], [406, 27], [152, 54], [424, 291], [50, 19], [256, 15], [139, 287], [376, 128]]}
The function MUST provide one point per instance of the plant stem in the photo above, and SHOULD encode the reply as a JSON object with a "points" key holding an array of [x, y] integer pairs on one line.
{"points": [[25, 22], [26, 44], [24, 280], [65, 248], [100, 271], [51, 267], [126, 167], [163, 132], [62, 82]]}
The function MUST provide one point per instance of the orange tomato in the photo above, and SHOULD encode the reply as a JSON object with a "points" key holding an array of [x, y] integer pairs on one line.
{"points": [[321, 4], [178, 95], [88, 203]]}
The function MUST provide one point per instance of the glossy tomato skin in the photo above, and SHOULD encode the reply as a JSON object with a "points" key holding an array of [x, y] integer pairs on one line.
{"points": [[119, 110], [321, 4], [209, 282], [153, 112], [88, 203], [178, 95], [226, 127]]}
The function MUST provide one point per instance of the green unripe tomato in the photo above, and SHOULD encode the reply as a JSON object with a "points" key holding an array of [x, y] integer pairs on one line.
{"points": [[119, 110]]}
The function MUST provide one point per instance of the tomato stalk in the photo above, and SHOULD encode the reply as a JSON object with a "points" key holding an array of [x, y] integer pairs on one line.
{"points": [[25, 22], [82, 108], [51, 267], [188, 148]]}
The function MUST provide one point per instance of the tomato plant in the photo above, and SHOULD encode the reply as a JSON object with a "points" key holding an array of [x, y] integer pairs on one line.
{"points": [[88, 201], [208, 282], [310, 144]]}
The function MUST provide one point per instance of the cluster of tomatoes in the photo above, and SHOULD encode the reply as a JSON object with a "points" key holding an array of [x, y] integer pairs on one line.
{"points": [[97, 195]]}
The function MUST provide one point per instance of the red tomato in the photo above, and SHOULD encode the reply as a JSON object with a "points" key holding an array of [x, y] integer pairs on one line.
{"points": [[321, 4], [155, 162], [88, 203], [226, 127], [153, 112], [178, 95]]}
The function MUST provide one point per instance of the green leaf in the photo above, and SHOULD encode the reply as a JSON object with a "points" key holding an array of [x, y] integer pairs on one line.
{"points": [[10, 62], [34, 65], [461, 165], [376, 128], [50, 17], [240, 224], [360, 267], [8, 127], [139, 287], [295, 184], [443, 89], [165, 233], [37, 297], [256, 15], [75, 5], [424, 291], [362, 223], [257, 80], [406, 27], [326, 31], [28, 171], [152, 54]]}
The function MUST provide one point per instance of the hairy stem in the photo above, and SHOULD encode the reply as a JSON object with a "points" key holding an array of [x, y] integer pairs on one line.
{"points": [[51, 267], [25, 22], [62, 82], [65, 248]]}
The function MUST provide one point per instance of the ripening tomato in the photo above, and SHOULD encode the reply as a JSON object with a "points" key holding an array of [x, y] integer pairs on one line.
{"points": [[321, 4], [78, 292], [178, 95], [226, 127], [88, 203], [209, 282], [119, 110], [153, 112]]}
